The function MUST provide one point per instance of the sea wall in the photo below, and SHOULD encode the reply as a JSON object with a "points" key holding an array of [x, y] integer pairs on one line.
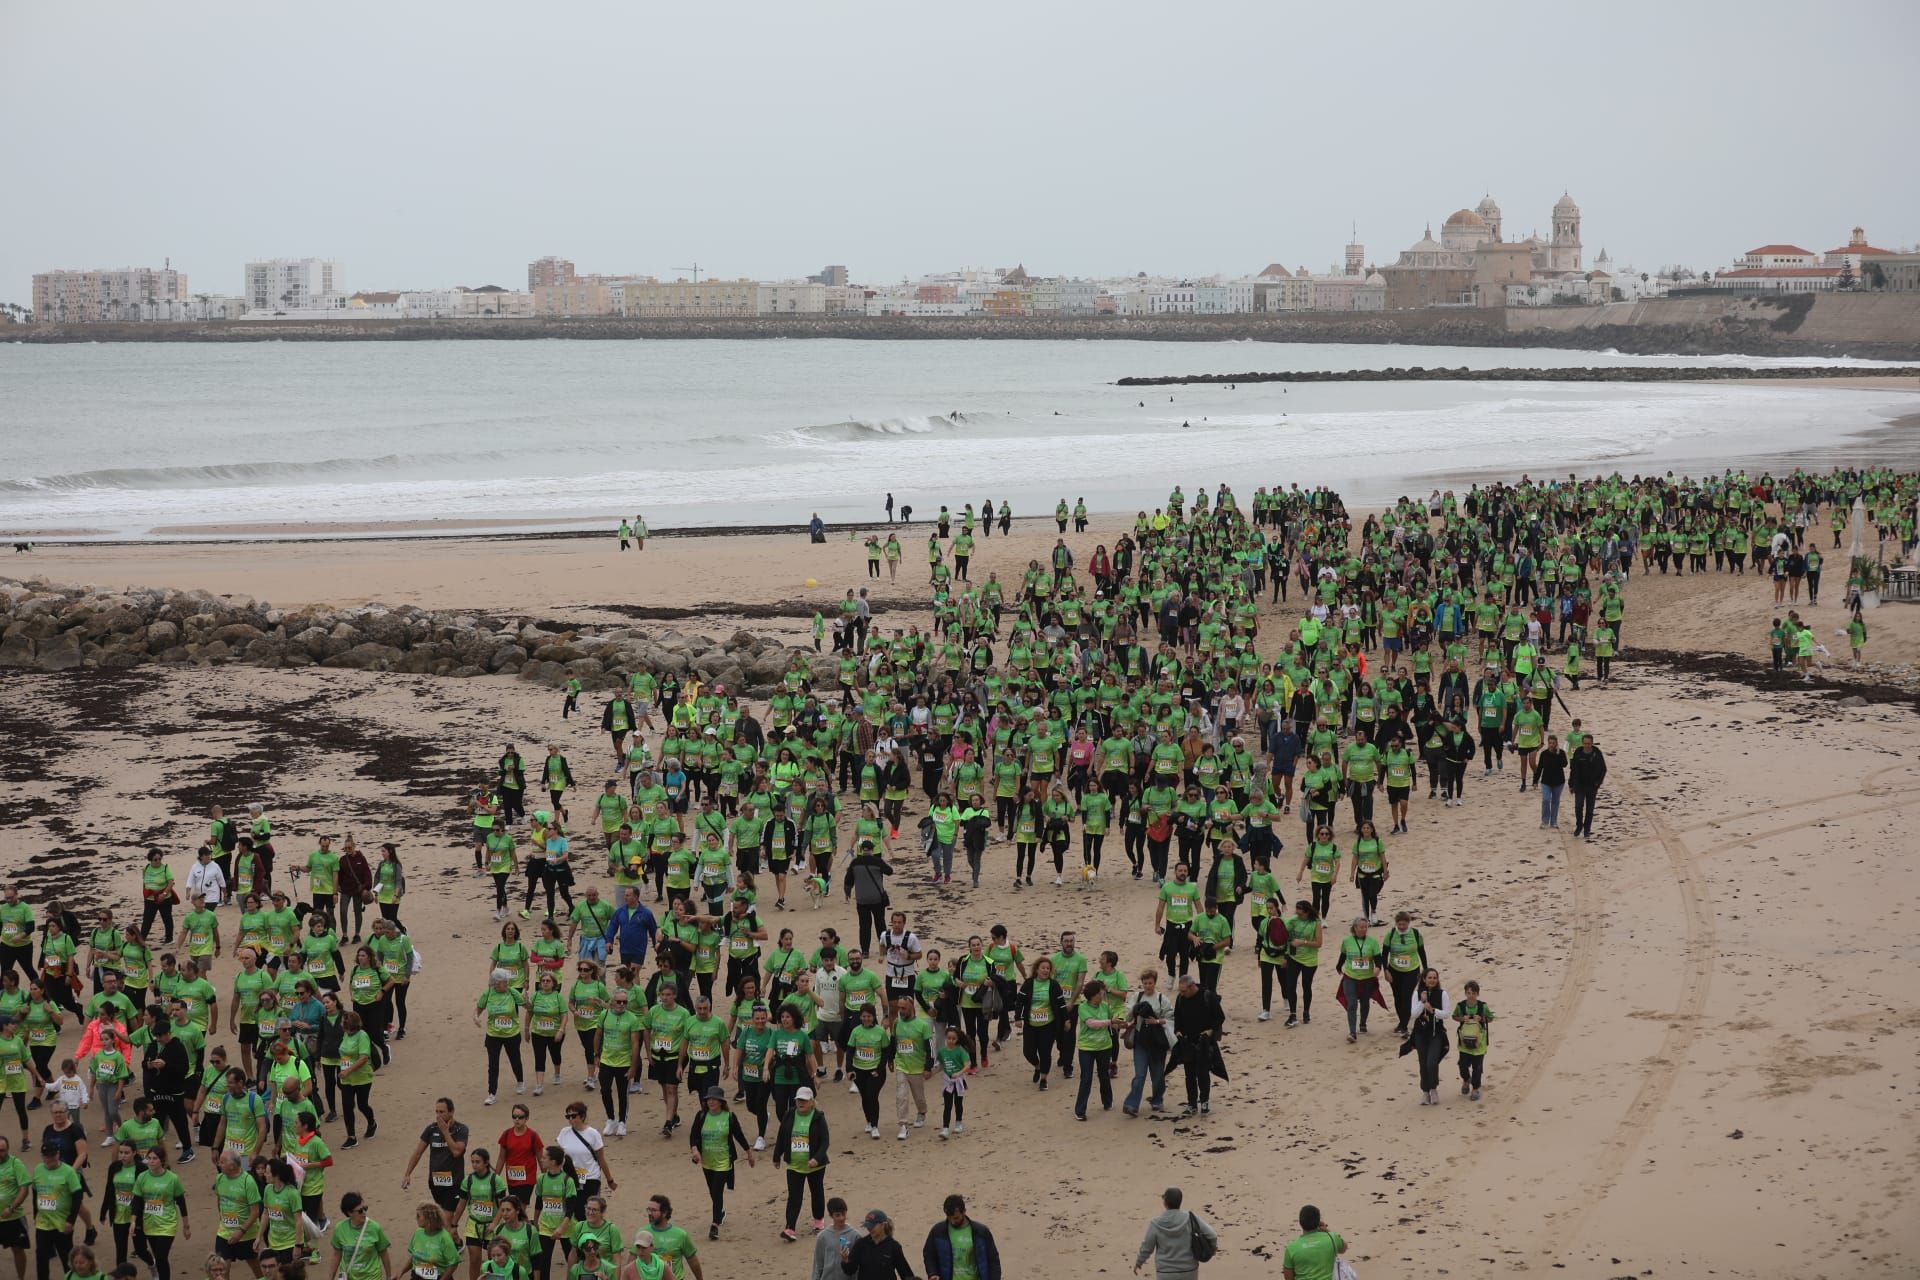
{"points": [[48, 627], [1882, 326], [1597, 373]]}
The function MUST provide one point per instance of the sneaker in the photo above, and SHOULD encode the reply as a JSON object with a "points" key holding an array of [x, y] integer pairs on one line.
{"points": [[760, 1143], [520, 1086], [1476, 1095], [1043, 1084], [920, 1120], [350, 1144], [819, 1225], [489, 1101], [588, 1082], [1266, 1015], [903, 1133], [186, 1157], [853, 1086], [1206, 1108], [1465, 1088], [1057, 882], [839, 1075], [873, 1131], [713, 1231], [943, 1131], [786, 1233], [525, 914], [959, 1128], [539, 1089]]}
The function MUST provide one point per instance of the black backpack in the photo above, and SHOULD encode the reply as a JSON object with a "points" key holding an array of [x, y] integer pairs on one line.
{"points": [[1204, 1246]]}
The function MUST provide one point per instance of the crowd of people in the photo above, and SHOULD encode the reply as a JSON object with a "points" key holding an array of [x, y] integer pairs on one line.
{"points": [[1230, 690]]}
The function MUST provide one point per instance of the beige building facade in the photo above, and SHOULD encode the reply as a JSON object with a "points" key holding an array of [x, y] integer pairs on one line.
{"points": [[103, 296]]}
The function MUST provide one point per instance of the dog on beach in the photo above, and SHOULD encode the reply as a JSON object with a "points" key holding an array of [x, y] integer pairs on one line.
{"points": [[21, 548]]}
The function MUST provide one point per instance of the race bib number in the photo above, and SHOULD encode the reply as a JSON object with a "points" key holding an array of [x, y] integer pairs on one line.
{"points": [[443, 1178]]}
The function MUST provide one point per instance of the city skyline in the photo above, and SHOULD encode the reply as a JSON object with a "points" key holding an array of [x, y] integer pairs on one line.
{"points": [[1246, 136]]}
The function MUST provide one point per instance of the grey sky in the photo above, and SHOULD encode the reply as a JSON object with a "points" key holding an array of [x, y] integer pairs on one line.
{"points": [[430, 143]]}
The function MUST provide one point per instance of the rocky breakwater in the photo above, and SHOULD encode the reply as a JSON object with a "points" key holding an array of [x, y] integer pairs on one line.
{"points": [[48, 627]]}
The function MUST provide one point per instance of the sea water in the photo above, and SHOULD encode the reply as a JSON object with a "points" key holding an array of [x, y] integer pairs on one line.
{"points": [[127, 439]]}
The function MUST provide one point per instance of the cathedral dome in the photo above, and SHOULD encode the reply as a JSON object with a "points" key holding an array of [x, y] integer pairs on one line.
{"points": [[1565, 204], [1487, 208], [1465, 218]]}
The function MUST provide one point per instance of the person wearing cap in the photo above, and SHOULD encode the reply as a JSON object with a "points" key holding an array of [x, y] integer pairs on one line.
{"points": [[802, 1146], [958, 1247], [712, 1143], [56, 1199], [876, 1255]]}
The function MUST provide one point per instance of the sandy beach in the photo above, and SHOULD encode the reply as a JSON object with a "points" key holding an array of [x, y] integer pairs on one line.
{"points": [[1688, 1075]]}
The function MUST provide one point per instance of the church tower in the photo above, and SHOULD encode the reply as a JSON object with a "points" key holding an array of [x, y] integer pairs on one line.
{"points": [[1356, 254], [1564, 249], [1489, 212]]}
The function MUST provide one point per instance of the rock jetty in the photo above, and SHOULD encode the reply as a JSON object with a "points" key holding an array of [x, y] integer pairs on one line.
{"points": [[1611, 373], [48, 627]]}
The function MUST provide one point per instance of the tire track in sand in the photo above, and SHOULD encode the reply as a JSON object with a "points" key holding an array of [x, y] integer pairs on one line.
{"points": [[1683, 1029]]}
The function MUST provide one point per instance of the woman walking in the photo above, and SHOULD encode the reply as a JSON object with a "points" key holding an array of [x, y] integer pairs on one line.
{"points": [[715, 1142], [1042, 1005], [505, 1011], [1370, 869], [1303, 961], [802, 1146], [1405, 952], [1551, 778], [1429, 1036], [868, 1050]]}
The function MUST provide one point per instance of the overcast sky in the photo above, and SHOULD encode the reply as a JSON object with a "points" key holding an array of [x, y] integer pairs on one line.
{"points": [[432, 143]]}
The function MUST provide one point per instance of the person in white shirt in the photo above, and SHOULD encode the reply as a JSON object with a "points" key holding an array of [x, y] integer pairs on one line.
{"points": [[69, 1087], [206, 880], [826, 989]]}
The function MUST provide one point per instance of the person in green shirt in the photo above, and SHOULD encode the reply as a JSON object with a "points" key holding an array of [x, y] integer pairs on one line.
{"points": [[1173, 918], [360, 1245], [56, 1198], [163, 1210], [1474, 1021], [477, 1202], [504, 1010], [14, 1180], [1359, 976], [432, 1251], [714, 1142], [1312, 1256], [1212, 941], [236, 1203], [617, 1052]]}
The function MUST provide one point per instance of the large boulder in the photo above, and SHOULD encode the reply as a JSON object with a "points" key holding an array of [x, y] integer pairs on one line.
{"points": [[366, 657], [58, 653]]}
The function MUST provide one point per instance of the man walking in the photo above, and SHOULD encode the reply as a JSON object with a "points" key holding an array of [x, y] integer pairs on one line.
{"points": [[1585, 772], [1197, 1019], [958, 1248], [865, 885], [1170, 1240]]}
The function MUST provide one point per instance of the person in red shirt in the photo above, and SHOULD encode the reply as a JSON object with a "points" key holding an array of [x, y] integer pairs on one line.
{"points": [[518, 1158]]}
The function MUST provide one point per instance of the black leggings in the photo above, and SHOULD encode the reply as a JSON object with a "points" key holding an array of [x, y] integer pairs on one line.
{"points": [[1322, 898], [613, 1089], [1472, 1065], [1370, 887], [48, 1245], [1040, 1043], [1298, 978], [953, 1108], [1404, 982], [160, 1248], [1267, 972], [717, 1192], [400, 1005], [869, 1083], [976, 1024], [330, 1084], [757, 1092], [1090, 848], [1024, 858], [500, 890], [510, 1045], [545, 1047], [815, 1185], [356, 1097]]}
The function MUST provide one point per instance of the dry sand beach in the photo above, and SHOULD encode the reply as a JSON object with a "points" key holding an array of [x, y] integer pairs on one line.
{"points": [[1708, 1053]]}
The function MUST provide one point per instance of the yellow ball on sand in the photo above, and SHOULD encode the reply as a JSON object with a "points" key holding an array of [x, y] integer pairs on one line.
{"points": [[813, 582]]}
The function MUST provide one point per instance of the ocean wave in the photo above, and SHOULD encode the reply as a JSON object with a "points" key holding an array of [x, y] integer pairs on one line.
{"points": [[218, 475], [861, 429]]}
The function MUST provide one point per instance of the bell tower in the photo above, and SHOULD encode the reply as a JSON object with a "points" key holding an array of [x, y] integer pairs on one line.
{"points": [[1564, 247]]}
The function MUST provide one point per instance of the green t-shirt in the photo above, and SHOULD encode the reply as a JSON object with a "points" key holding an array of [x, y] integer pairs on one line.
{"points": [[432, 1253], [360, 1249], [1312, 1256], [233, 1199], [502, 1012], [357, 1044], [912, 1045], [1182, 899], [1089, 1037], [616, 1037], [867, 1047], [56, 1190], [160, 1195], [960, 1240], [1360, 957], [13, 1176], [281, 1208], [1216, 929], [670, 1244]]}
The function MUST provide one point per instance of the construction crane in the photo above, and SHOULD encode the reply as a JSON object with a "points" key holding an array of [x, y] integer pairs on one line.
{"points": [[695, 268]]}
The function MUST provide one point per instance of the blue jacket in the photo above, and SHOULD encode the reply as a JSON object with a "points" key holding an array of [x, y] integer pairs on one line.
{"points": [[634, 930], [937, 1256]]}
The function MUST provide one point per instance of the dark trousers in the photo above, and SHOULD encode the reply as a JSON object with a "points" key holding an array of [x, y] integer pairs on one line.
{"points": [[1583, 812], [1199, 1079], [873, 919], [815, 1186], [495, 1046]]}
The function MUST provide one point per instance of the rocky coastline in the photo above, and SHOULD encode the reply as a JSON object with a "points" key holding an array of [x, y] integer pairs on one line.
{"points": [[49, 627]]}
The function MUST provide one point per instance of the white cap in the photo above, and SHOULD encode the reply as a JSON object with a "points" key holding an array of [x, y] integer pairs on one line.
{"points": [[804, 1095]]}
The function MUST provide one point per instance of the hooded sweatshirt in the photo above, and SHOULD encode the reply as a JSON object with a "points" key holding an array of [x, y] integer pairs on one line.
{"points": [[1169, 1242]]}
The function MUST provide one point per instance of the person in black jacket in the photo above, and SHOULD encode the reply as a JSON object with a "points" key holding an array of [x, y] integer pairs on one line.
{"points": [[1456, 753], [865, 885], [958, 1232], [1043, 1007], [556, 775], [876, 1255], [167, 1076], [1585, 772], [1550, 772], [804, 1127], [1197, 1020], [716, 1143], [512, 787], [618, 719]]}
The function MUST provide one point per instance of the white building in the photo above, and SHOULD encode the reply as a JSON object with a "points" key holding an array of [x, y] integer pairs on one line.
{"points": [[200, 307], [295, 284], [793, 298]]}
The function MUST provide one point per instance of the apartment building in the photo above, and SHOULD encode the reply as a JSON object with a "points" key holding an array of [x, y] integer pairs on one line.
{"points": [[102, 296]]}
